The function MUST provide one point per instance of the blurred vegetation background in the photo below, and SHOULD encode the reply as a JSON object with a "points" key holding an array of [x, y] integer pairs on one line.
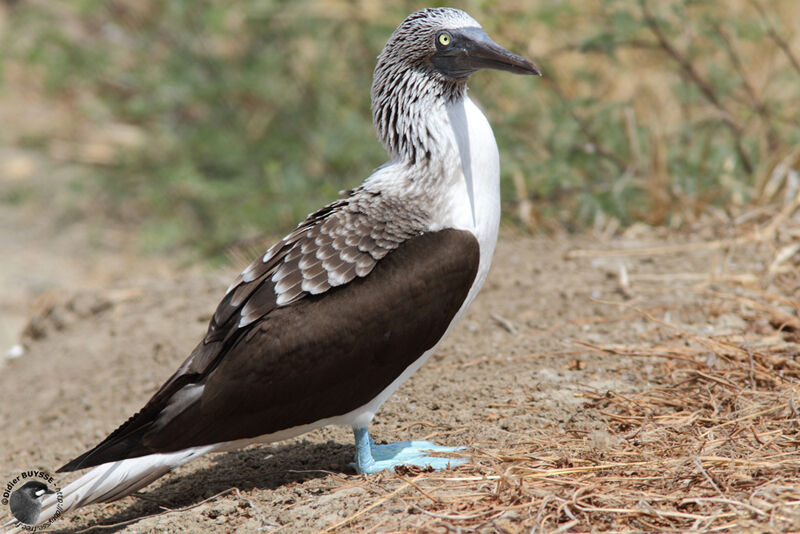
{"points": [[207, 124]]}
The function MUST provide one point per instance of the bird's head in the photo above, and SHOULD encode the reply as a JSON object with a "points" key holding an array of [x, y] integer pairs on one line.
{"points": [[447, 43], [35, 490], [426, 62]]}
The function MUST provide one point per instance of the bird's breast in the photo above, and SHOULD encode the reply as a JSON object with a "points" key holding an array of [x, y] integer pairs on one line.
{"points": [[474, 193]]}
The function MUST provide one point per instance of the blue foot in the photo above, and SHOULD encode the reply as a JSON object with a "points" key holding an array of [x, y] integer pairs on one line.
{"points": [[371, 458]]}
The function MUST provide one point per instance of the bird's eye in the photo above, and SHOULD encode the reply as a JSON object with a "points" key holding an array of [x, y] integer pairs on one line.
{"points": [[444, 39]]}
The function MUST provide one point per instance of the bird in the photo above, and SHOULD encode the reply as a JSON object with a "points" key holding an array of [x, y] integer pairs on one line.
{"points": [[26, 502], [335, 316]]}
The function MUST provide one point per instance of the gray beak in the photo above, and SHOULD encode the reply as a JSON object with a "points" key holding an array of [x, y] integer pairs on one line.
{"points": [[470, 49]]}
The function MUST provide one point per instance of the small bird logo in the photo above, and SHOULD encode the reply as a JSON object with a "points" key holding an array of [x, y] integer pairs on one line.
{"points": [[26, 502]]}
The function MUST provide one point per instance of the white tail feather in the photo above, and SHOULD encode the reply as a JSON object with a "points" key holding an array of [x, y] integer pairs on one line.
{"points": [[112, 481]]}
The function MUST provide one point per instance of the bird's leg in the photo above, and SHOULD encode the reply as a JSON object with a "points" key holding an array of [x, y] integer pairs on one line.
{"points": [[371, 458]]}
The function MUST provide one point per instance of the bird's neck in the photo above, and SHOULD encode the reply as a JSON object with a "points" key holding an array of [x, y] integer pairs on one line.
{"points": [[409, 109]]}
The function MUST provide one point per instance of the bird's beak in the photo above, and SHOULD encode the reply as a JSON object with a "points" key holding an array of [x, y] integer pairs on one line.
{"points": [[483, 53], [472, 49]]}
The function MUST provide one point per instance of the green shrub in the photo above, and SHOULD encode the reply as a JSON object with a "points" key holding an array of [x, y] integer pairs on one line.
{"points": [[256, 112]]}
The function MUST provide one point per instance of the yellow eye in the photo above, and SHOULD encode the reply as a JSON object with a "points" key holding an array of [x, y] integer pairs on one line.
{"points": [[444, 39]]}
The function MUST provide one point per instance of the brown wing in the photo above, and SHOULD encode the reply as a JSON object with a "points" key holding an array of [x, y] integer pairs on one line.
{"points": [[330, 248], [290, 364]]}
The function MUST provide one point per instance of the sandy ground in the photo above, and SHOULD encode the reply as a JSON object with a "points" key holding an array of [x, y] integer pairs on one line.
{"points": [[514, 368]]}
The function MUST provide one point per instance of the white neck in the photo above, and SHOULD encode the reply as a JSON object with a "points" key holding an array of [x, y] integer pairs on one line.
{"points": [[475, 196], [459, 186]]}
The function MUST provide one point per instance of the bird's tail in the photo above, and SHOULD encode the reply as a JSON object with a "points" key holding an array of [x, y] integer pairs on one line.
{"points": [[111, 481]]}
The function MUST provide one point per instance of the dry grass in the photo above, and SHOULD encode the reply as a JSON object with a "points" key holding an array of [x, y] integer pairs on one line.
{"points": [[711, 446]]}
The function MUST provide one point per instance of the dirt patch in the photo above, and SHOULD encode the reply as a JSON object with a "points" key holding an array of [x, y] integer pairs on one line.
{"points": [[574, 382]]}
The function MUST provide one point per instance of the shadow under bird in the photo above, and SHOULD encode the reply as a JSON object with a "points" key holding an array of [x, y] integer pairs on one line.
{"points": [[26, 502], [334, 317]]}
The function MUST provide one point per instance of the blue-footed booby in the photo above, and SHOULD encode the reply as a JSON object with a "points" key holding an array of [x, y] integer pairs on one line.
{"points": [[329, 322]]}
